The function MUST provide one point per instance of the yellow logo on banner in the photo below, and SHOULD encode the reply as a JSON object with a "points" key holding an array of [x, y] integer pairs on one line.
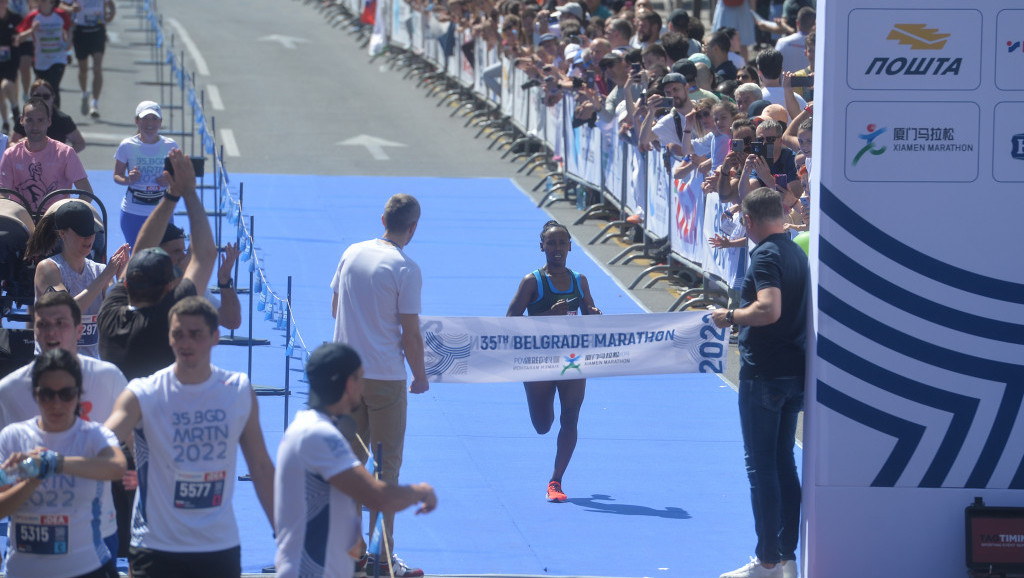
{"points": [[918, 36]]}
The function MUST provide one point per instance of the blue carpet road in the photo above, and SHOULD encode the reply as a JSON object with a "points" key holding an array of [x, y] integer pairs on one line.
{"points": [[656, 486]]}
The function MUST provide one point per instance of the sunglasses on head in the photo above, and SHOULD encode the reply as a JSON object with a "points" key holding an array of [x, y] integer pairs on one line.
{"points": [[65, 394]]}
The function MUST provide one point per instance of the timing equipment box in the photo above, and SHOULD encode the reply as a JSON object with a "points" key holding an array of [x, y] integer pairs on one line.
{"points": [[995, 538]]}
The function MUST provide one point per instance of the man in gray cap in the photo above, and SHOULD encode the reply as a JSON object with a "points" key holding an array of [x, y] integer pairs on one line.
{"points": [[133, 320], [314, 454]]}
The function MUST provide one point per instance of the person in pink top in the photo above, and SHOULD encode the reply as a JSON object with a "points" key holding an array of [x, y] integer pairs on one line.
{"points": [[38, 164]]}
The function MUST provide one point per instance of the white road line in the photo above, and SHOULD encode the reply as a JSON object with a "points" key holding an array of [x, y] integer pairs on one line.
{"points": [[197, 58], [227, 138], [214, 93]]}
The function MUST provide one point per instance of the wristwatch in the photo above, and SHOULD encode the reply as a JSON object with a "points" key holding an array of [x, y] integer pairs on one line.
{"points": [[226, 285], [728, 316]]}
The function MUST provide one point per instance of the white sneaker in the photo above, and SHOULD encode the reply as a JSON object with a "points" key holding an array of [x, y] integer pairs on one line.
{"points": [[788, 568], [755, 570]]}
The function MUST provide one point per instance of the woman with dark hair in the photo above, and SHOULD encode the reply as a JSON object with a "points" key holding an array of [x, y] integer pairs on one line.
{"points": [[53, 515], [554, 289], [73, 223]]}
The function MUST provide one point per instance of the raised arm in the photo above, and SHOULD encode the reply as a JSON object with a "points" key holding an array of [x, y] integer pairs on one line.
{"points": [[204, 251]]}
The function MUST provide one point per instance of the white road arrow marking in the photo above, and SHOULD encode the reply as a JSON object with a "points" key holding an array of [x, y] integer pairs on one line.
{"points": [[288, 42], [375, 146]]}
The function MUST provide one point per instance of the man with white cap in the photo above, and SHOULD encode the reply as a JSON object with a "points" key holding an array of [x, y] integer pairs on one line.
{"points": [[38, 165], [139, 165], [319, 482]]}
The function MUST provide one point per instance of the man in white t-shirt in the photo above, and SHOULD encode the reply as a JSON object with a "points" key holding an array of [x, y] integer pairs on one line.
{"points": [[376, 305], [58, 325], [319, 483], [792, 47], [188, 421]]}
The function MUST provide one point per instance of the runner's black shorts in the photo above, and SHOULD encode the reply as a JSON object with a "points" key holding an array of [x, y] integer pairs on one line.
{"points": [[89, 40], [148, 563]]}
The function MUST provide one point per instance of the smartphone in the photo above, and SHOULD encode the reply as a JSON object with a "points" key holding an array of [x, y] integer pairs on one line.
{"points": [[590, 79], [198, 164], [636, 67], [736, 145], [805, 201], [552, 19], [802, 81]]}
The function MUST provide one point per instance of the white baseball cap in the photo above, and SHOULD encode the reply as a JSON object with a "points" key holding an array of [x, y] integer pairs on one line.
{"points": [[146, 108]]}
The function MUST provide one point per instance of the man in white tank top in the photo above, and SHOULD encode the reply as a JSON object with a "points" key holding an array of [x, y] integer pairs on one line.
{"points": [[189, 420]]}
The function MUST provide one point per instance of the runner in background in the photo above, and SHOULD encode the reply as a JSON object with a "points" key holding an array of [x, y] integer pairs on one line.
{"points": [[554, 289], [90, 39]]}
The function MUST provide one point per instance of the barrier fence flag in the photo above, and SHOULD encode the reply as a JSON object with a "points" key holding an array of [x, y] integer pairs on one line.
{"points": [[503, 349]]}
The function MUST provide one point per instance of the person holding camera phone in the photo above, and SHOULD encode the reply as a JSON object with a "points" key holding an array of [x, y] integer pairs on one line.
{"points": [[671, 129], [139, 165]]}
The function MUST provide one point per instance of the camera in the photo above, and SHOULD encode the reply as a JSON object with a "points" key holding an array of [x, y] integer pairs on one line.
{"points": [[762, 149], [198, 165], [577, 82], [530, 84]]}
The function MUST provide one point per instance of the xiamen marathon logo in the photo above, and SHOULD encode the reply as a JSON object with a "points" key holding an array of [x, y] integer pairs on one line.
{"points": [[918, 38], [572, 363], [869, 140]]}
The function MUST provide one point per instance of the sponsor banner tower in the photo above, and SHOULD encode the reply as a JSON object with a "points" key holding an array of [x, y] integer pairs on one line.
{"points": [[915, 392]]}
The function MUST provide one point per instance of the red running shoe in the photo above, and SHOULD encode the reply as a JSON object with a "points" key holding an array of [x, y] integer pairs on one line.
{"points": [[555, 493]]}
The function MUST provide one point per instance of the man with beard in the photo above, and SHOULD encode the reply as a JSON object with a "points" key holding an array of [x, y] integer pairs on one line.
{"points": [[670, 129]]}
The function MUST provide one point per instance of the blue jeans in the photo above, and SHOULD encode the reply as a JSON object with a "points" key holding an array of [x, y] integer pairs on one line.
{"points": [[768, 416]]}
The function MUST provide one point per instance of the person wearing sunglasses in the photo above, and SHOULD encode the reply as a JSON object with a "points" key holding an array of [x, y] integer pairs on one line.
{"points": [[58, 325], [55, 514], [62, 127]]}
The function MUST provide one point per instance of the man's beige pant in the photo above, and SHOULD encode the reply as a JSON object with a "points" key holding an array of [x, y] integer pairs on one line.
{"points": [[381, 419]]}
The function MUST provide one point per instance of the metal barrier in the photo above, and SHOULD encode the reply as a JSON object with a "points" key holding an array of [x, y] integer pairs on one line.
{"points": [[672, 220]]}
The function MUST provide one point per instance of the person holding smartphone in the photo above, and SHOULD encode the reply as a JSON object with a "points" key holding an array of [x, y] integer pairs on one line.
{"points": [[554, 289], [139, 165]]}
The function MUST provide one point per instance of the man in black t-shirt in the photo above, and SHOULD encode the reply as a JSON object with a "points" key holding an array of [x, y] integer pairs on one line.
{"points": [[772, 318], [132, 322]]}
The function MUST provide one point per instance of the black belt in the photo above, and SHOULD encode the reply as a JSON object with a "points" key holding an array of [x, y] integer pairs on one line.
{"points": [[144, 198]]}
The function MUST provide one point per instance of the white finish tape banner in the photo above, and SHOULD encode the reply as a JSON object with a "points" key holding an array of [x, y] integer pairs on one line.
{"points": [[503, 349]]}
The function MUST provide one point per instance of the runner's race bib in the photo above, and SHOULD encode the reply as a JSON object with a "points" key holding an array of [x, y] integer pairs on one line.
{"points": [[90, 335], [42, 534], [199, 490]]}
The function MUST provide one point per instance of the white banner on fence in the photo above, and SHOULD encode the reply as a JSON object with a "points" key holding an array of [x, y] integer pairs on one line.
{"points": [[687, 233], [503, 349]]}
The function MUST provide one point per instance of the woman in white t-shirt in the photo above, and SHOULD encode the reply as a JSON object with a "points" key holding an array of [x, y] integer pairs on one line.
{"points": [[55, 517], [139, 165]]}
